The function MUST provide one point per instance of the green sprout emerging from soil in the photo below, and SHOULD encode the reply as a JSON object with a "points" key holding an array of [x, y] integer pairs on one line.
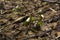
{"points": [[31, 20], [39, 24]]}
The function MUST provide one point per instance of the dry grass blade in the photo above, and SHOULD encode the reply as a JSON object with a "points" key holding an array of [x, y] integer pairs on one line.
{"points": [[21, 19]]}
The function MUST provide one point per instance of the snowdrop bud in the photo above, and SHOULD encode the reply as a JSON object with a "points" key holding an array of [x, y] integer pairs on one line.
{"points": [[28, 19]]}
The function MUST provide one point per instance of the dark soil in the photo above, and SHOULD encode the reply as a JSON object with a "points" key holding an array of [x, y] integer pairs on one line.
{"points": [[29, 20]]}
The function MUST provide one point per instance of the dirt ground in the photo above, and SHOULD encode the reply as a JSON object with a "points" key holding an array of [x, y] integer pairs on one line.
{"points": [[29, 20]]}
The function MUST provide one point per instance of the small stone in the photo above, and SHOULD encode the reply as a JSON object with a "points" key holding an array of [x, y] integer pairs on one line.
{"points": [[30, 32], [42, 16], [58, 33]]}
